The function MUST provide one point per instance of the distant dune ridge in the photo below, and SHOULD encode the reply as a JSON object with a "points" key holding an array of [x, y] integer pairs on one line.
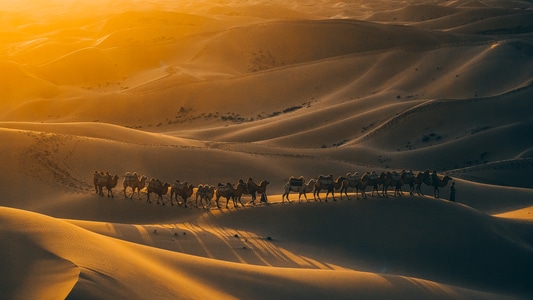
{"points": [[213, 92]]}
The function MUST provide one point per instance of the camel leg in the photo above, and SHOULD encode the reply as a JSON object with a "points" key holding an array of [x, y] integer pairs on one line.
{"points": [[417, 188], [253, 198], [316, 194], [375, 189], [285, 195], [384, 192], [360, 191], [398, 191], [346, 193]]}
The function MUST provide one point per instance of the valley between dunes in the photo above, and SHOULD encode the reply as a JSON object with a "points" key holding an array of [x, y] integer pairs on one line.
{"points": [[213, 92]]}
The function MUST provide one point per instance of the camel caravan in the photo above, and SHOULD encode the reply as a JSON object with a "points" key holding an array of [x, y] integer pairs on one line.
{"points": [[359, 184], [182, 192]]}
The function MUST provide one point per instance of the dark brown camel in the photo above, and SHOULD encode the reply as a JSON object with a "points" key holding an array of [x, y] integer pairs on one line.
{"points": [[359, 183], [135, 182], [390, 179], [157, 187], [182, 189], [421, 177], [228, 191], [106, 180], [253, 188], [329, 184]]}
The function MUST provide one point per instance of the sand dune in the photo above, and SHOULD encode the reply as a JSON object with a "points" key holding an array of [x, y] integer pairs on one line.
{"points": [[213, 92], [159, 266]]}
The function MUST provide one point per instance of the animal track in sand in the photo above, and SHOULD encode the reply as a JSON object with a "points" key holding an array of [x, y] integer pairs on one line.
{"points": [[48, 160]]}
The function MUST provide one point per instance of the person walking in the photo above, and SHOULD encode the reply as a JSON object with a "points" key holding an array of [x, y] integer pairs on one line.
{"points": [[452, 192]]}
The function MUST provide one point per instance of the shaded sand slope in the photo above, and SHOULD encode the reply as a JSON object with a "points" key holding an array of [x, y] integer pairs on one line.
{"points": [[402, 239], [113, 268]]}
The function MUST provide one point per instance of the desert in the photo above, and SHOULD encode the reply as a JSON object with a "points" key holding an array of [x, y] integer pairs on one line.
{"points": [[201, 103]]}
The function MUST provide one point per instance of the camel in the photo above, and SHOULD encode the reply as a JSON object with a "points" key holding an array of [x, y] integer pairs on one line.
{"points": [[374, 181], [252, 188], [102, 180], [158, 187], [97, 175], [407, 177], [391, 179], [421, 177], [229, 191], [182, 189], [205, 192], [329, 184], [133, 181], [356, 182], [437, 183], [298, 185]]}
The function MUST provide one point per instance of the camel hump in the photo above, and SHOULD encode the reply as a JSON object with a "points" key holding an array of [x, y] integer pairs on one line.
{"points": [[395, 176], [155, 184], [223, 187], [296, 181], [325, 179], [409, 175], [131, 177], [179, 185], [352, 177]]}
